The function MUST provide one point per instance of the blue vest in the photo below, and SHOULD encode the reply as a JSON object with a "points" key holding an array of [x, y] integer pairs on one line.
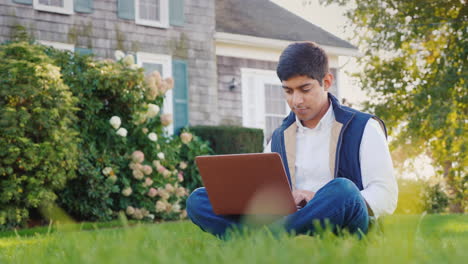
{"points": [[347, 163]]}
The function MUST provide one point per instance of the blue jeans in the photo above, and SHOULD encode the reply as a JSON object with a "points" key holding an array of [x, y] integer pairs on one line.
{"points": [[339, 203]]}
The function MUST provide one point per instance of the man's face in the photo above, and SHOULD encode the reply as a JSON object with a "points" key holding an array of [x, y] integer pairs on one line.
{"points": [[307, 98]]}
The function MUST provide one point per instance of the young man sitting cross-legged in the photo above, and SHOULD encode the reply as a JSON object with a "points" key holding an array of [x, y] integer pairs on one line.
{"points": [[336, 158]]}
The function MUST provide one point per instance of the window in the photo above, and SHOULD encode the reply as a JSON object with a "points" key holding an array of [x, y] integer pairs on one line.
{"points": [[162, 63], [57, 45], [334, 88], [152, 12], [263, 102], [275, 109], [55, 6]]}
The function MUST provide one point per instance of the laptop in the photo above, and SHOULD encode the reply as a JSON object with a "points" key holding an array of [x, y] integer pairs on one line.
{"points": [[246, 184]]}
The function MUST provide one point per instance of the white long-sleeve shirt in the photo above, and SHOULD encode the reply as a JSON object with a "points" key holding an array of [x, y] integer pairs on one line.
{"points": [[312, 163]]}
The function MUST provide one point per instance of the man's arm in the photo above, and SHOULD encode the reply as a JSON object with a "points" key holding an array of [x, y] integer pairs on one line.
{"points": [[378, 179], [267, 149]]}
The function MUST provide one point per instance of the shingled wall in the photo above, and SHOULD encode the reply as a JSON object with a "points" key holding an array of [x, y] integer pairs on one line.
{"points": [[104, 32]]}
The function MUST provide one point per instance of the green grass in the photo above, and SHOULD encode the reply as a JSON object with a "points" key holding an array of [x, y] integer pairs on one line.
{"points": [[405, 239]]}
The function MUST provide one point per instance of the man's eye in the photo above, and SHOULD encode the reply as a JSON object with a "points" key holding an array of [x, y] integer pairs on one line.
{"points": [[288, 91]]}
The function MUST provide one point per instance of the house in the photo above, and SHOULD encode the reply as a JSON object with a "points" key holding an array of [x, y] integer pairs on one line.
{"points": [[222, 54]]}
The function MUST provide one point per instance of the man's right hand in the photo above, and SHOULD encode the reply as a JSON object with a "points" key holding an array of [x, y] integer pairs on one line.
{"points": [[302, 197]]}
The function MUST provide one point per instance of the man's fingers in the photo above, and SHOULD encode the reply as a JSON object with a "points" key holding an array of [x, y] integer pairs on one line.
{"points": [[298, 198]]}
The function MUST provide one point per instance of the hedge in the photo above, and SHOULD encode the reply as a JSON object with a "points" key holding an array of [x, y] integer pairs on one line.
{"points": [[231, 139]]}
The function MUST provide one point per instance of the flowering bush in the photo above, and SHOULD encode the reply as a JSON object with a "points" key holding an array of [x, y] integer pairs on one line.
{"points": [[38, 145], [129, 163]]}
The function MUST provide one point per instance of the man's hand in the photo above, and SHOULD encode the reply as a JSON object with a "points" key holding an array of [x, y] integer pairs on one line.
{"points": [[302, 197]]}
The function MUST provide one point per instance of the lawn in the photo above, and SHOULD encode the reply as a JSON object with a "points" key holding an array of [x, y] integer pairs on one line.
{"points": [[404, 239]]}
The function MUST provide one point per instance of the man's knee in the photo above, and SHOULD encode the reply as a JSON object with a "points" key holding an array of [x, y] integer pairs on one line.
{"points": [[194, 200], [344, 188]]}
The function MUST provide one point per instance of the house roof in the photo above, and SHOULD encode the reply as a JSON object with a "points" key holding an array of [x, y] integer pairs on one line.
{"points": [[265, 19]]}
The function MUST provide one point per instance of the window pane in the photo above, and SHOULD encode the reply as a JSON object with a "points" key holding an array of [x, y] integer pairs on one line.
{"points": [[334, 88], [58, 3], [150, 9], [151, 67], [275, 108]]}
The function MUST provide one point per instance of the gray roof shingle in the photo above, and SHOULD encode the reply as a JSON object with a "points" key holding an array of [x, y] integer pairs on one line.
{"points": [[263, 18]]}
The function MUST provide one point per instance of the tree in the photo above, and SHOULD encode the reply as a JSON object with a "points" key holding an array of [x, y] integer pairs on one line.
{"points": [[414, 70]]}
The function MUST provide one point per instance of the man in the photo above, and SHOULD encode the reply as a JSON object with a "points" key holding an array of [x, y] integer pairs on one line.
{"points": [[336, 158]]}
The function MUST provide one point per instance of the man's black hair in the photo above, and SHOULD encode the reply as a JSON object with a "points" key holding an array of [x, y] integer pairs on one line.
{"points": [[303, 58]]}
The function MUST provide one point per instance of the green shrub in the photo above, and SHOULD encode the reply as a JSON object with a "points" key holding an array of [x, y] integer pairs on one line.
{"points": [[410, 196], [188, 152], [231, 139], [435, 198], [132, 165], [417, 196], [38, 146]]}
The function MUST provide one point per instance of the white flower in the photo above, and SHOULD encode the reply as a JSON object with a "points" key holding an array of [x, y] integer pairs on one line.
{"points": [[118, 54], [152, 136], [127, 191], [130, 210], [169, 83], [138, 157], [122, 132], [186, 137], [166, 119], [166, 173], [183, 165], [144, 130], [153, 110], [176, 208], [180, 191], [113, 178], [161, 155], [137, 174], [151, 216], [115, 122], [152, 192], [163, 193], [134, 66], [147, 170], [169, 188], [160, 206], [107, 170], [128, 60]]}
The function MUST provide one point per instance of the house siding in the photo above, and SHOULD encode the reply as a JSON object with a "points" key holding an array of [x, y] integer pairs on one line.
{"points": [[230, 102], [104, 32]]}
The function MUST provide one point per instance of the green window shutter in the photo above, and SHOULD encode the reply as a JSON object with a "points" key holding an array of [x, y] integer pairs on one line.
{"points": [[126, 9], [180, 96], [176, 12], [83, 6], [26, 2], [83, 51]]}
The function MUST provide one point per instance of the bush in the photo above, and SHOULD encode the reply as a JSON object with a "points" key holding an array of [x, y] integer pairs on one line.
{"points": [[231, 139], [435, 198], [410, 196], [189, 151], [128, 163], [38, 146], [417, 196]]}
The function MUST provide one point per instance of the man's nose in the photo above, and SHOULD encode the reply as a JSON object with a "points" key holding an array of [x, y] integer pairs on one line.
{"points": [[297, 99]]}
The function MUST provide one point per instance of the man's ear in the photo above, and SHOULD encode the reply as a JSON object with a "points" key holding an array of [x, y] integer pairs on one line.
{"points": [[328, 81]]}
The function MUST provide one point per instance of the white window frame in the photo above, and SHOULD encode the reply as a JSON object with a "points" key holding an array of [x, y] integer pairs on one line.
{"points": [[57, 45], [336, 80], [262, 75], [166, 61], [66, 9], [164, 15]]}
